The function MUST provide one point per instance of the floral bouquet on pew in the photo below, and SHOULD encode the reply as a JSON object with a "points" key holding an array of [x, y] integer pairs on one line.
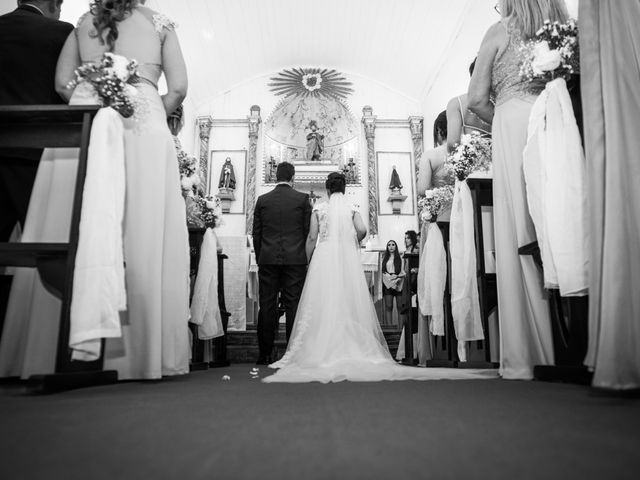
{"points": [[189, 173], [471, 155], [552, 53], [210, 211], [113, 79], [434, 202]]}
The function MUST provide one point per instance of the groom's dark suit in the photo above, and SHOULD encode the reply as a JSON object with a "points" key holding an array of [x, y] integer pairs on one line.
{"points": [[280, 228]]}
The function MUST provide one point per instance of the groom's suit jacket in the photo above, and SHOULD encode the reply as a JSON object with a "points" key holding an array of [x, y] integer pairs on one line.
{"points": [[280, 227]]}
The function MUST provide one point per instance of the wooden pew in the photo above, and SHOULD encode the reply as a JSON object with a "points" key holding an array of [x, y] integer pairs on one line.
{"points": [[42, 126]]}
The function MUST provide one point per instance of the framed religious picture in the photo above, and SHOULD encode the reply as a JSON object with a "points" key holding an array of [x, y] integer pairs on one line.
{"points": [[227, 179], [396, 183]]}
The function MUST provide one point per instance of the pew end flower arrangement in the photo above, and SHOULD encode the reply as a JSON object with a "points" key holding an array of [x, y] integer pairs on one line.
{"points": [[552, 53], [471, 155], [210, 211], [113, 78], [435, 202]]}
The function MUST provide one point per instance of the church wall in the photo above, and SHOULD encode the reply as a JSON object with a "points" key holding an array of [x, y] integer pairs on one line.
{"points": [[233, 106]]}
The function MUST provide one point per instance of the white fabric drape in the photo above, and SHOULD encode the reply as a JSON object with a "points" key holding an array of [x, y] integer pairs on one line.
{"points": [[465, 304], [555, 176], [205, 311], [432, 278], [98, 282]]}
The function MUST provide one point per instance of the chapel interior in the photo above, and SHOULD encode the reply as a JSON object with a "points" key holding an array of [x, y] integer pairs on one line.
{"points": [[384, 70]]}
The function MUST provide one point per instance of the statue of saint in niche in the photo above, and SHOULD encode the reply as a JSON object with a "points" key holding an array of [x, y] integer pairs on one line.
{"points": [[395, 185], [227, 176], [315, 143]]}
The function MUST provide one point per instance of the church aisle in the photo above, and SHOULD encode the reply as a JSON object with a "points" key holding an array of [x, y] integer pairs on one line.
{"points": [[201, 426]]}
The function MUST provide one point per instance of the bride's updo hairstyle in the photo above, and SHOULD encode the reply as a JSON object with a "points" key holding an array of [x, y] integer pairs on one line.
{"points": [[106, 15], [335, 183]]}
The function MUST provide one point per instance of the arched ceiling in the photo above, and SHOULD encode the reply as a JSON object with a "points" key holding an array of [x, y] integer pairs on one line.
{"points": [[403, 44], [396, 42]]}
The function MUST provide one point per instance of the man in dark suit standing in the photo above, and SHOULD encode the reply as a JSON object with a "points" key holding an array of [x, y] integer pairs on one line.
{"points": [[280, 228], [31, 38]]}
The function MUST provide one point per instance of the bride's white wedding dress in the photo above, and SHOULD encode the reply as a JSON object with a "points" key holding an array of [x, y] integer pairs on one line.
{"points": [[336, 335]]}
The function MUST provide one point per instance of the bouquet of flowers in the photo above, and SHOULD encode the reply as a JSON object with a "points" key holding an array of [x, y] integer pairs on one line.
{"points": [[552, 53], [434, 202], [189, 173], [113, 79], [210, 211], [472, 154]]}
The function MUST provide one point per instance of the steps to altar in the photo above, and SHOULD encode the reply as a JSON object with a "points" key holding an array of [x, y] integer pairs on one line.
{"points": [[242, 347]]}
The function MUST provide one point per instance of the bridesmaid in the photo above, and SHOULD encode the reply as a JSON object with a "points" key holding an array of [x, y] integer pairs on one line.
{"points": [[461, 120], [525, 330]]}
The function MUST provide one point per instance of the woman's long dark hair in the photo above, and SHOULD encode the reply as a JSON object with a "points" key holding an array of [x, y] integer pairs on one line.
{"points": [[440, 125], [413, 236], [106, 15], [397, 262]]}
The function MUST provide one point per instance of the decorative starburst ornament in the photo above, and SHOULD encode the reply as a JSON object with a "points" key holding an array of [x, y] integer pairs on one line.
{"points": [[315, 82]]}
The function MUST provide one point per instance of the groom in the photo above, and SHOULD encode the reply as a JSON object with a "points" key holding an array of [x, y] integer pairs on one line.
{"points": [[280, 227]]}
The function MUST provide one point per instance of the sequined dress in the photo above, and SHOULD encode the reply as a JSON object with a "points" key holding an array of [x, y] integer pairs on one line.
{"points": [[525, 332]]}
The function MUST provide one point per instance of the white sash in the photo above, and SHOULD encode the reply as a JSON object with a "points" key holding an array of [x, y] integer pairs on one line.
{"points": [[98, 283], [432, 277], [465, 306], [555, 176], [205, 311]]}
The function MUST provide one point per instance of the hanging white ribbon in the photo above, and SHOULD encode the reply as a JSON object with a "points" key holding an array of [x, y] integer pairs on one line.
{"points": [[465, 305], [432, 278], [98, 281], [205, 311], [555, 175]]}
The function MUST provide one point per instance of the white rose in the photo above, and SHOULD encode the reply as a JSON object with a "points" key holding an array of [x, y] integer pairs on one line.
{"points": [[119, 67], [186, 183], [428, 194], [545, 59]]}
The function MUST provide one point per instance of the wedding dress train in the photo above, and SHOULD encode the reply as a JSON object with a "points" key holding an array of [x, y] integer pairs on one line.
{"points": [[336, 335]]}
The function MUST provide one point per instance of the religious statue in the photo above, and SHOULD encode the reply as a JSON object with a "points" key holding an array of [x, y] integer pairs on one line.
{"points": [[271, 170], [395, 185], [395, 197], [313, 198], [349, 171], [315, 143], [227, 176]]}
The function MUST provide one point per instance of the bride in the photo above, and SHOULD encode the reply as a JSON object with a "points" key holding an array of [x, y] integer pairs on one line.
{"points": [[336, 335]]}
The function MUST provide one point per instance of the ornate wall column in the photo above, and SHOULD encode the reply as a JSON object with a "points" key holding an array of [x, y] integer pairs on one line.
{"points": [[204, 132], [369, 122], [416, 124], [254, 129]]}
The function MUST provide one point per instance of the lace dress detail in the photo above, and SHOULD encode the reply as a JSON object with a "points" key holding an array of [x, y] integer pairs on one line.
{"points": [[81, 19], [161, 21], [506, 82], [323, 231]]}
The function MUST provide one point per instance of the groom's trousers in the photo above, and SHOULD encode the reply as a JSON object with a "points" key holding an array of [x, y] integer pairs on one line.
{"points": [[287, 280]]}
